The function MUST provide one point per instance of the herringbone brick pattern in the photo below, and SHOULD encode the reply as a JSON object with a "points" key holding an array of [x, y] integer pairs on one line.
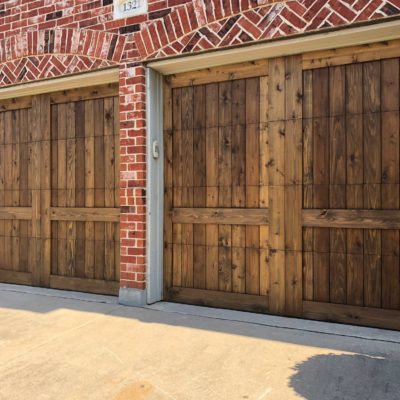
{"points": [[48, 66], [101, 45], [56, 52], [200, 25]]}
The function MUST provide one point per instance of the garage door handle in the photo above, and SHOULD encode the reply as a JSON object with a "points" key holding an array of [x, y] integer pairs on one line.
{"points": [[156, 151]]}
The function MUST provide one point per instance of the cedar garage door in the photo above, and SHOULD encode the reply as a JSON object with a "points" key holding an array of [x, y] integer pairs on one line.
{"points": [[282, 186], [59, 199]]}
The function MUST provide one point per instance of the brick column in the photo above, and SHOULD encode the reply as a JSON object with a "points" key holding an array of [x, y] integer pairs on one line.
{"points": [[133, 184]]}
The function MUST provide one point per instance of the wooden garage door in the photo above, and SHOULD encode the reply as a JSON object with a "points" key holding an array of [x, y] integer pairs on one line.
{"points": [[282, 186], [351, 192], [220, 182], [59, 204]]}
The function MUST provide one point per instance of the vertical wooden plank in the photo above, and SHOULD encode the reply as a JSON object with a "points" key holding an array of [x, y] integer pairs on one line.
{"points": [[109, 160], [35, 184], [199, 182], [70, 184], [99, 191], [263, 203], [61, 185], [54, 186], [276, 177], [31, 249], [23, 188], [177, 184], [293, 189], [252, 183], [224, 183], [15, 174], [212, 111], [238, 183], [372, 180], [308, 180], [45, 189], [355, 179], [168, 182], [337, 194], [80, 186], [2, 189], [8, 189], [89, 186], [390, 180], [187, 184], [321, 180]]}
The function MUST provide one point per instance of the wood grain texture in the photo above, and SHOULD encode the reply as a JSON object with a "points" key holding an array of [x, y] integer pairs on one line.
{"points": [[168, 191], [310, 146], [84, 214], [357, 218], [84, 285], [17, 213], [276, 190], [351, 55], [89, 93], [219, 74], [225, 216], [213, 298], [375, 317], [51, 146], [293, 188]]}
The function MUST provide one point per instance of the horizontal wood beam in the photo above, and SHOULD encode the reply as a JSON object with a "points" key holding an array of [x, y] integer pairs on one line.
{"points": [[16, 103], [85, 214], [362, 219], [22, 213], [84, 285], [226, 216], [219, 74], [350, 55], [89, 93], [376, 317], [17, 277], [213, 298]]}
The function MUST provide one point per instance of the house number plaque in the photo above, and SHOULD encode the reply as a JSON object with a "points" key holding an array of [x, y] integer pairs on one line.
{"points": [[129, 8]]}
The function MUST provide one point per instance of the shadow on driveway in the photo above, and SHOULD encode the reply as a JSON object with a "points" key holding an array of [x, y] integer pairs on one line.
{"points": [[55, 341], [347, 377], [45, 301]]}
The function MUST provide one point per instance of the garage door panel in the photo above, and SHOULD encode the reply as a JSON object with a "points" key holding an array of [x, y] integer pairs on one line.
{"points": [[316, 145], [63, 168], [245, 152], [362, 174], [86, 168], [15, 195], [215, 196]]}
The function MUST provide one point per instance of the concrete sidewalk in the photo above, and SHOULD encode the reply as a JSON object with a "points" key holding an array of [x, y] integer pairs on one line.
{"points": [[60, 345]]}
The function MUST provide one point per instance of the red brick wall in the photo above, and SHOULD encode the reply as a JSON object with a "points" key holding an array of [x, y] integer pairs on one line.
{"points": [[48, 38]]}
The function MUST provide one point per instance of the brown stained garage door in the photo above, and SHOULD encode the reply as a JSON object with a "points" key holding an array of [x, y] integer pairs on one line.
{"points": [[59, 200], [282, 186]]}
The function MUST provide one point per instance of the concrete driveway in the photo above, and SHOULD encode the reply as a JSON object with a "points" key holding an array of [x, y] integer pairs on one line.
{"points": [[60, 345]]}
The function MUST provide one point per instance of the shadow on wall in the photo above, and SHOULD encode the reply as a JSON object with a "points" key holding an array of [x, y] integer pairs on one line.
{"points": [[347, 377]]}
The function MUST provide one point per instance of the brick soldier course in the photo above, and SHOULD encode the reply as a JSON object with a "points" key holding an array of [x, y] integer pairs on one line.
{"points": [[46, 39]]}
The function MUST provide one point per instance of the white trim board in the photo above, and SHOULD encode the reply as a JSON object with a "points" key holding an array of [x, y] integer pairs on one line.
{"points": [[377, 32], [102, 77], [154, 188]]}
